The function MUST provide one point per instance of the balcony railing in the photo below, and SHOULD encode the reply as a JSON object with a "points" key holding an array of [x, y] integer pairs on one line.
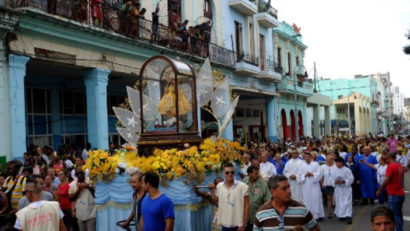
{"points": [[192, 41], [248, 58], [265, 7]]}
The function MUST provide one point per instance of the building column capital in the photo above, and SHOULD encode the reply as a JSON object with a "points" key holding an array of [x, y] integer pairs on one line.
{"points": [[18, 61], [96, 76]]}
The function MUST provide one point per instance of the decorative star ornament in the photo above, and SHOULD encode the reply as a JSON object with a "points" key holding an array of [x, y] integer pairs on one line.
{"points": [[131, 122], [219, 100]]}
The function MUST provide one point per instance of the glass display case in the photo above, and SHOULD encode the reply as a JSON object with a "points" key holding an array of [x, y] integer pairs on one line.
{"points": [[169, 104]]}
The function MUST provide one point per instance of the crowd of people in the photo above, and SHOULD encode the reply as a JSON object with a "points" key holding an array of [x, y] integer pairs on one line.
{"points": [[279, 185], [278, 181], [130, 18], [46, 187]]}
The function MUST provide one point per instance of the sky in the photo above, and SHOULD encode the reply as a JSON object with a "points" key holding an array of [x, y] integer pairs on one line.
{"points": [[352, 37]]}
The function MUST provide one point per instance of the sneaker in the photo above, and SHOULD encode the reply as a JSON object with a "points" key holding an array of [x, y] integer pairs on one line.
{"points": [[320, 219], [349, 220]]}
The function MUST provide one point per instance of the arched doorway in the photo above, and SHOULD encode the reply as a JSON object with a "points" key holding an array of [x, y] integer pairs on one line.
{"points": [[293, 125], [300, 122], [285, 128]]}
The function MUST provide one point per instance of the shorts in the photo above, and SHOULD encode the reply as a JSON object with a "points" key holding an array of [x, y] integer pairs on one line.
{"points": [[329, 190]]}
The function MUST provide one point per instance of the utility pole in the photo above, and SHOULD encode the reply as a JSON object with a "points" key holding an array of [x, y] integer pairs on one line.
{"points": [[348, 113], [314, 78]]}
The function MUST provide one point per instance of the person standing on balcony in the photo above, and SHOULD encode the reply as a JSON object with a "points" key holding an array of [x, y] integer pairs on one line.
{"points": [[155, 24], [134, 17], [184, 35], [96, 12]]}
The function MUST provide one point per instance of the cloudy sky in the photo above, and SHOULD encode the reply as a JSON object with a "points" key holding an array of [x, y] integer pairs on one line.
{"points": [[351, 37]]}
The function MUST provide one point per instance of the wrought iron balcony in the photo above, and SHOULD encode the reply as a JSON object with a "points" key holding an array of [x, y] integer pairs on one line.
{"points": [[247, 64], [286, 85], [193, 41], [248, 58], [268, 70], [266, 7]]}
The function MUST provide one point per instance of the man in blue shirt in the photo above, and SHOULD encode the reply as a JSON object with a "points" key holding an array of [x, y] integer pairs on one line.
{"points": [[157, 209]]}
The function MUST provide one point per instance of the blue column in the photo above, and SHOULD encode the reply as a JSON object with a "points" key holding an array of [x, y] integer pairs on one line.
{"points": [[5, 139], [96, 81], [17, 65], [271, 119], [55, 117], [228, 133]]}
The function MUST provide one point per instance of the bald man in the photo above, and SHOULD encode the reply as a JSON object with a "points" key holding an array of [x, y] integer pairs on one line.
{"points": [[267, 169], [40, 214]]}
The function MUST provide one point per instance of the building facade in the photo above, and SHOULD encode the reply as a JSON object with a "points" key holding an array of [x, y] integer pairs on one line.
{"points": [[63, 68], [294, 88], [248, 26], [385, 109], [367, 88]]}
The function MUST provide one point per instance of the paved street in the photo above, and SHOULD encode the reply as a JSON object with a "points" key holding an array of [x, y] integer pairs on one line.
{"points": [[361, 216]]}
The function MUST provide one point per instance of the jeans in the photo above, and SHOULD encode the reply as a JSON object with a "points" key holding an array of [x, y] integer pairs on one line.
{"points": [[396, 205], [229, 229]]}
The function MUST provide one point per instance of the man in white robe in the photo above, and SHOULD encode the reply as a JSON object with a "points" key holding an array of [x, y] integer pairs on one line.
{"points": [[343, 179], [310, 177], [291, 171], [266, 168]]}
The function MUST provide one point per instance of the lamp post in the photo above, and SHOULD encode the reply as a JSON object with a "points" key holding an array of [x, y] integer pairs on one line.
{"points": [[299, 69]]}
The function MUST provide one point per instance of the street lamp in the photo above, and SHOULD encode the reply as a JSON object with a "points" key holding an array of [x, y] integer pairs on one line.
{"points": [[299, 70]]}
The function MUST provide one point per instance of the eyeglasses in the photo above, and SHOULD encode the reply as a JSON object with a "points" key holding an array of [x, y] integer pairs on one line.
{"points": [[229, 172]]}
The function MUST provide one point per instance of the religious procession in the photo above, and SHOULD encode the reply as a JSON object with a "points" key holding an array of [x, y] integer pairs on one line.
{"points": [[194, 115], [166, 177]]}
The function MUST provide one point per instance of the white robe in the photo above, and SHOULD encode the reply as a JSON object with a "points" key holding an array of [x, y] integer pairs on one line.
{"points": [[312, 195], [292, 167], [266, 170], [343, 192]]}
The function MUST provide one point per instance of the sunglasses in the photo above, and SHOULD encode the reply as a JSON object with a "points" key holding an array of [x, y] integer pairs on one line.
{"points": [[229, 172]]}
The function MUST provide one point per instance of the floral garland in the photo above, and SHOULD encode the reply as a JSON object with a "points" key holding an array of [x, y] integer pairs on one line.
{"points": [[172, 163]]}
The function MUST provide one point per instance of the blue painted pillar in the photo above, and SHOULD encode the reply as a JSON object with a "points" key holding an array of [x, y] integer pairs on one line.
{"points": [[228, 133], [55, 117], [17, 71], [271, 119], [5, 139], [96, 81]]}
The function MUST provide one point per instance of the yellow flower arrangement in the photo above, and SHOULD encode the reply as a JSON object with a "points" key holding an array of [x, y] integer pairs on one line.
{"points": [[172, 163], [101, 165]]}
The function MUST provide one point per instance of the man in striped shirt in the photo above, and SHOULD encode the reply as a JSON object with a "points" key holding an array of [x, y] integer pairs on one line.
{"points": [[281, 212]]}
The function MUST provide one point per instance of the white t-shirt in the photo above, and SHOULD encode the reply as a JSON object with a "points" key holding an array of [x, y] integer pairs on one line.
{"points": [[68, 163], [244, 169], [230, 203], [381, 173], [36, 204], [328, 174], [342, 154]]}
